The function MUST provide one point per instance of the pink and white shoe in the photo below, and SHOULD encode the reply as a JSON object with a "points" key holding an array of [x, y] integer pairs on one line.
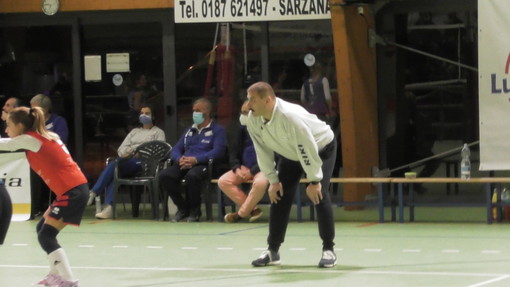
{"points": [[56, 281], [66, 283], [51, 280]]}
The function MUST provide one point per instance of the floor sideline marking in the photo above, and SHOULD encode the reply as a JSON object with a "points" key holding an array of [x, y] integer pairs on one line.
{"points": [[273, 270], [490, 281]]}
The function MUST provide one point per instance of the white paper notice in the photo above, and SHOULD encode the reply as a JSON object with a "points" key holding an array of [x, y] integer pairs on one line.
{"points": [[93, 68], [117, 63]]}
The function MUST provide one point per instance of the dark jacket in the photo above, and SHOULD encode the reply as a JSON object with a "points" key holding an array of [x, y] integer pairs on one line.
{"points": [[210, 143], [242, 151]]}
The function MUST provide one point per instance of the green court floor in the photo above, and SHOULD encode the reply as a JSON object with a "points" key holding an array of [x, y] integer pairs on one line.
{"points": [[143, 252]]}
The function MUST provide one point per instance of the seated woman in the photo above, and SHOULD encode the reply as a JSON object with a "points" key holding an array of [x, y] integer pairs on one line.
{"points": [[128, 166]]}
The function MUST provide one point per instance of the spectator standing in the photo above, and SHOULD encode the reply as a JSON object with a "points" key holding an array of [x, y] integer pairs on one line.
{"points": [[316, 94]]}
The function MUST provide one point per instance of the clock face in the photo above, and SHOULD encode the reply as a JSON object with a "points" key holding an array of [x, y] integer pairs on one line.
{"points": [[50, 7]]}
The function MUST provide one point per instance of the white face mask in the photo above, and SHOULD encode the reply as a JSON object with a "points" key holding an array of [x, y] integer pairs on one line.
{"points": [[243, 119]]}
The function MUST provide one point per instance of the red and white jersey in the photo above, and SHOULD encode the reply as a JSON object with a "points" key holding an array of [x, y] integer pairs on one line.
{"points": [[54, 165], [50, 159]]}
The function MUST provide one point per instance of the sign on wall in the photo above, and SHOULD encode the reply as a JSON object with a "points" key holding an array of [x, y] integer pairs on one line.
{"points": [[117, 63], [494, 84], [202, 11]]}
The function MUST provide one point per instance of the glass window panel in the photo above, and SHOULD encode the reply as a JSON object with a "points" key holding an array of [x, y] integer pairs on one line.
{"points": [[290, 41], [236, 64], [107, 116]]}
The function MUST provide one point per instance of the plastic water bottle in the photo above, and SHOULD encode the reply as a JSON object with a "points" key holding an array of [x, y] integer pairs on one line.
{"points": [[98, 204], [465, 163]]}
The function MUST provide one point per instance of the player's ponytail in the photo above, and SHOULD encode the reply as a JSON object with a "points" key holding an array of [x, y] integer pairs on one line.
{"points": [[32, 119]]}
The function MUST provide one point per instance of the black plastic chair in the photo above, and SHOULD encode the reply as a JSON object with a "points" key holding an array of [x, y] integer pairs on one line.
{"points": [[152, 154]]}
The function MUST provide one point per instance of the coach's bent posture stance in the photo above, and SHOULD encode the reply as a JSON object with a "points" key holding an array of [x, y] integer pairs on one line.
{"points": [[304, 144]]}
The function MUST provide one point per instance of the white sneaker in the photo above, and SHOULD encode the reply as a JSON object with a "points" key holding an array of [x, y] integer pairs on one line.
{"points": [[92, 197], [107, 213], [328, 259], [267, 257]]}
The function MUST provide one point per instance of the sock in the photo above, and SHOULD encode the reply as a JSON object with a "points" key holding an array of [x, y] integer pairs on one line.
{"points": [[53, 268], [58, 259]]}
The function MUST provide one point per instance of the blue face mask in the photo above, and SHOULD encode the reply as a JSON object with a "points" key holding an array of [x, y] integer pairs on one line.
{"points": [[198, 117], [145, 119]]}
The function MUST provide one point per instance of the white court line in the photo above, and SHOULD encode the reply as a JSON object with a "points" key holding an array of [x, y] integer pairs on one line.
{"points": [[260, 249], [411, 250], [450, 251], [297, 249], [271, 270], [491, 251], [154, 247], [119, 246], [19, 244], [490, 281], [372, 250], [86, 246], [224, 248], [189, 248]]}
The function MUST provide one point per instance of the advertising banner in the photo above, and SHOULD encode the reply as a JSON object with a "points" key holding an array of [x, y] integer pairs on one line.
{"points": [[202, 11], [494, 83], [15, 173]]}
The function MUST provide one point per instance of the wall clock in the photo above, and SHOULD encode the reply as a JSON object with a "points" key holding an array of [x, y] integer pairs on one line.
{"points": [[50, 7]]}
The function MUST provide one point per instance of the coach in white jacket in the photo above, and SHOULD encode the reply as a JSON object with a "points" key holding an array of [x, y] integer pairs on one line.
{"points": [[304, 144]]}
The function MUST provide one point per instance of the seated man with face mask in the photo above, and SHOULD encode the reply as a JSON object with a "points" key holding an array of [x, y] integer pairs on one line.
{"points": [[128, 166], [244, 167], [203, 141]]}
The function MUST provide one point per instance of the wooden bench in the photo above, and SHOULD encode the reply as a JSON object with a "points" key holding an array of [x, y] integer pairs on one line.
{"points": [[409, 182], [299, 204]]}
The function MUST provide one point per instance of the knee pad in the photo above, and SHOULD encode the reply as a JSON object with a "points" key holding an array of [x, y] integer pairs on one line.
{"points": [[47, 237], [39, 225]]}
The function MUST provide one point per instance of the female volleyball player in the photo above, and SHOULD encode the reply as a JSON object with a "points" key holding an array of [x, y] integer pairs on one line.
{"points": [[49, 158]]}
